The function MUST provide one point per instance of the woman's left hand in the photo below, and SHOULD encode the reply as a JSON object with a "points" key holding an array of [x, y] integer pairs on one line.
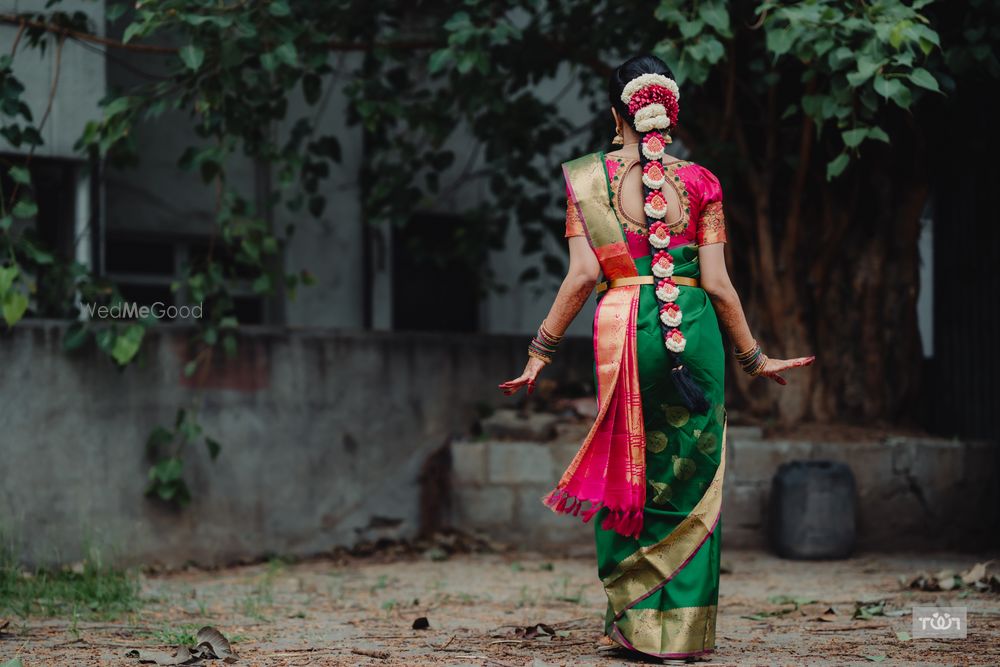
{"points": [[531, 370], [774, 367]]}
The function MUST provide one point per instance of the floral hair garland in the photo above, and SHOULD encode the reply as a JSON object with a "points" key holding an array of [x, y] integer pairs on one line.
{"points": [[652, 103]]}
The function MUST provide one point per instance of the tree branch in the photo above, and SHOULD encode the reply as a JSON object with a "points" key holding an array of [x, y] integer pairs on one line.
{"points": [[14, 19]]}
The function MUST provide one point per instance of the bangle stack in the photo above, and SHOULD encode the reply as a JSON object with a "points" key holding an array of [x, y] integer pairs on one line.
{"points": [[543, 345], [753, 360]]}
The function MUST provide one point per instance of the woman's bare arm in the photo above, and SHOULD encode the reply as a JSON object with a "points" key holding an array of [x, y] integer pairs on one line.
{"points": [[576, 288], [715, 281]]}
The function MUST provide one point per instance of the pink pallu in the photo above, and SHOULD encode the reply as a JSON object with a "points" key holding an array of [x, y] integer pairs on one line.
{"points": [[609, 470]]}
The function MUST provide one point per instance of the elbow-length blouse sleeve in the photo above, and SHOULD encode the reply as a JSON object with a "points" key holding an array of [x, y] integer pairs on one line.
{"points": [[711, 224], [574, 225]]}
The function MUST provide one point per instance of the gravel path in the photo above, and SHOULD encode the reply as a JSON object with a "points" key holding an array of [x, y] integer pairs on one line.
{"points": [[361, 612]]}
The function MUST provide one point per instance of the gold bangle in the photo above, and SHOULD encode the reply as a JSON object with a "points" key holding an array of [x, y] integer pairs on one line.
{"points": [[742, 356], [539, 356], [760, 366], [552, 338]]}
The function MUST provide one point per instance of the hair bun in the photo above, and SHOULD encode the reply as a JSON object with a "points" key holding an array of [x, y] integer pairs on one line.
{"points": [[652, 101]]}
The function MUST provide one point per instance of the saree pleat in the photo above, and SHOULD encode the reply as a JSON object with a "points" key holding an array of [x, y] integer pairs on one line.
{"points": [[660, 565]]}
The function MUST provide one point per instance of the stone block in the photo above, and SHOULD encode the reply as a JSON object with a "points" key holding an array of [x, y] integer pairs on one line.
{"points": [[519, 463], [756, 461], [742, 538], [513, 425], [870, 461], [745, 505], [545, 526], [484, 507], [574, 431], [741, 433], [468, 462], [562, 455]]}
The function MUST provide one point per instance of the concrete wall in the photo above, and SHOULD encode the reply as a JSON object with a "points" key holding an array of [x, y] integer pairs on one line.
{"points": [[913, 493], [324, 434]]}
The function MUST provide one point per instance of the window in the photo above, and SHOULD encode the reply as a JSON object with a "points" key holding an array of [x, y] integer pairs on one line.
{"points": [[429, 292]]}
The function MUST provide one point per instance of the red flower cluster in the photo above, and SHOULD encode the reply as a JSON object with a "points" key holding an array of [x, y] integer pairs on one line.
{"points": [[654, 94]]}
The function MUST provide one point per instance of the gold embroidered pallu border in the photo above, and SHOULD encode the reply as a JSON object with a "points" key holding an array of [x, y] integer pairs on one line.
{"points": [[651, 567], [670, 632]]}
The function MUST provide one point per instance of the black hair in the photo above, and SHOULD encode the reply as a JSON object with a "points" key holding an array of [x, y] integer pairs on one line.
{"points": [[691, 394], [628, 70]]}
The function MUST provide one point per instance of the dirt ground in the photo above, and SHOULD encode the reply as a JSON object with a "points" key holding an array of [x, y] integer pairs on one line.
{"points": [[361, 612]]}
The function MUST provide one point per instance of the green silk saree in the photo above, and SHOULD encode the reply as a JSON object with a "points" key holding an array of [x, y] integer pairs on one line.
{"points": [[662, 580]]}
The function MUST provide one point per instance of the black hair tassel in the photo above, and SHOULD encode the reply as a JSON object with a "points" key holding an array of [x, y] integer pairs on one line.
{"points": [[691, 394]]}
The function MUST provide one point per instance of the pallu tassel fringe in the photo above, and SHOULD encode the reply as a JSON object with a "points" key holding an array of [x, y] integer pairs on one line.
{"points": [[623, 522]]}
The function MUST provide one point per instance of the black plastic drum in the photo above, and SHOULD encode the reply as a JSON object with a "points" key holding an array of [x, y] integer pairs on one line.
{"points": [[812, 510]]}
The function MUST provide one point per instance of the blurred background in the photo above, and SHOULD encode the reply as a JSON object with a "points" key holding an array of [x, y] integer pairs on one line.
{"points": [[366, 201]]}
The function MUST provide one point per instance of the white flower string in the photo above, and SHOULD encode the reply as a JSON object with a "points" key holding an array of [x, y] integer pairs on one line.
{"points": [[652, 104]]}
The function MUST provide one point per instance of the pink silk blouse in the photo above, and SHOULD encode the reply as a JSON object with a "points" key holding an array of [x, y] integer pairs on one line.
{"points": [[700, 195]]}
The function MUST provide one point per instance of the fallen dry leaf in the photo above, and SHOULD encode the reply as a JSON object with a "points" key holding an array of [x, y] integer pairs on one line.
{"points": [[828, 616], [976, 573], [212, 645]]}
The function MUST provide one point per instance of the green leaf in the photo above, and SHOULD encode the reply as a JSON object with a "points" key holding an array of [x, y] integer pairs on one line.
{"points": [[924, 79], [167, 470], [132, 30], [269, 61], [158, 438], [20, 175], [25, 209], [13, 662], [779, 40], [193, 56], [190, 368], [127, 344], [262, 285], [75, 337], [213, 448], [839, 57], [867, 67], [898, 34], [279, 8], [878, 134], [15, 303], [836, 166], [287, 54], [458, 21], [715, 15], [7, 276], [36, 254], [691, 29], [466, 61], [229, 345], [115, 11], [189, 428], [893, 89], [439, 60], [5, 222], [853, 138]]}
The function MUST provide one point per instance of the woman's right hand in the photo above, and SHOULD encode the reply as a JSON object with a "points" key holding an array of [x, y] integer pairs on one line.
{"points": [[531, 370], [774, 367]]}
